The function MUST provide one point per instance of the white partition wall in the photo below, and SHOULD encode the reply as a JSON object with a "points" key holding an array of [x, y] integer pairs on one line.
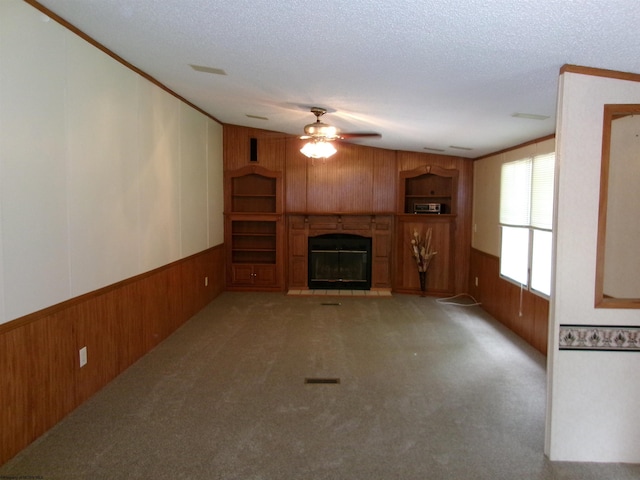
{"points": [[103, 174], [593, 395]]}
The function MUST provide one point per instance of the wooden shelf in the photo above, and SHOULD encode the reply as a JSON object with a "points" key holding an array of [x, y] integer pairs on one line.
{"points": [[251, 257], [429, 216], [250, 234], [448, 197], [253, 227], [253, 204], [248, 195], [253, 250]]}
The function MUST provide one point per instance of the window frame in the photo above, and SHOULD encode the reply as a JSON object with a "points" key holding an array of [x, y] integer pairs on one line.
{"points": [[527, 223]]}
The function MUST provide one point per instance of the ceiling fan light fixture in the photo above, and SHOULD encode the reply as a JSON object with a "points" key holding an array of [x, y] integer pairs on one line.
{"points": [[318, 149], [320, 129], [320, 136]]}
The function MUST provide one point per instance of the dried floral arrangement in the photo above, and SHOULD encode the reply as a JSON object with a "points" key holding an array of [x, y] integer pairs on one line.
{"points": [[421, 250]]}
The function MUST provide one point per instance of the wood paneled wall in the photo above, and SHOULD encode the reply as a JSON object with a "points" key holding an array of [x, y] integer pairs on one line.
{"points": [[527, 317], [237, 152], [442, 274], [295, 178], [41, 379], [356, 180]]}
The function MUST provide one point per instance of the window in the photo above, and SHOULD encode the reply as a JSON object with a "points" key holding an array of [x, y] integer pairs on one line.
{"points": [[526, 220]]}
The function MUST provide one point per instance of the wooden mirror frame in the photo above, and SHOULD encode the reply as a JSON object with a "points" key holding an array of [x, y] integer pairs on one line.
{"points": [[611, 112]]}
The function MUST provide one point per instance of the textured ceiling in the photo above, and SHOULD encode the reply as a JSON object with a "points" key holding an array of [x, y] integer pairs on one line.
{"points": [[423, 73]]}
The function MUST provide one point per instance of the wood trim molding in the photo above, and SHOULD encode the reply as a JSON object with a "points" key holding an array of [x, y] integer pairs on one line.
{"points": [[600, 72], [516, 147], [490, 256]]}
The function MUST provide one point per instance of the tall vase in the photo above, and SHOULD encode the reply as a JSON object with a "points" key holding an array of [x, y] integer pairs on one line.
{"points": [[423, 283]]}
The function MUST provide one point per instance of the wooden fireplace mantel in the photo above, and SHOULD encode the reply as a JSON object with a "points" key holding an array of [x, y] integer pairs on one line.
{"points": [[301, 226]]}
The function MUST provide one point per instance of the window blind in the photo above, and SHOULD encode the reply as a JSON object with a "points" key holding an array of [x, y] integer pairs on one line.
{"points": [[526, 192], [515, 193], [543, 173]]}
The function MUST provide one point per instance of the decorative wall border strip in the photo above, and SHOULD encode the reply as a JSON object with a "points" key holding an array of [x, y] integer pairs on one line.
{"points": [[600, 337]]}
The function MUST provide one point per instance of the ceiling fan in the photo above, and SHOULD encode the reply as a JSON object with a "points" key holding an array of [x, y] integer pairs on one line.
{"points": [[320, 136], [324, 131]]}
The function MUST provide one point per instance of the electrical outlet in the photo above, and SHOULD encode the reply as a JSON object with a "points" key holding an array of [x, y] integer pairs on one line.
{"points": [[83, 356], [476, 281], [206, 281]]}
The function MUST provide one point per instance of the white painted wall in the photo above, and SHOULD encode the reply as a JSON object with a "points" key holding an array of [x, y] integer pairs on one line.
{"points": [[103, 175], [33, 175], [593, 397]]}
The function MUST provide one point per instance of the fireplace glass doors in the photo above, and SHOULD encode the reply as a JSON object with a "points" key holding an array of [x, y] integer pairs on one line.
{"points": [[340, 261]]}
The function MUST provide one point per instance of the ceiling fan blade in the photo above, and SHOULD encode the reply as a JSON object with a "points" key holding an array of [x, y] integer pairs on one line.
{"points": [[347, 136], [323, 132]]}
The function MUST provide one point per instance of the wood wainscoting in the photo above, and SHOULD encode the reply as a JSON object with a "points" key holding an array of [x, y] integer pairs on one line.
{"points": [[41, 379], [527, 316]]}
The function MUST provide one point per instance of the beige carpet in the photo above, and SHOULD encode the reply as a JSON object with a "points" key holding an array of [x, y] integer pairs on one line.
{"points": [[426, 391]]}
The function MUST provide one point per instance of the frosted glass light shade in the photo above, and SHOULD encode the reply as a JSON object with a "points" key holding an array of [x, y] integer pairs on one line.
{"points": [[318, 149]]}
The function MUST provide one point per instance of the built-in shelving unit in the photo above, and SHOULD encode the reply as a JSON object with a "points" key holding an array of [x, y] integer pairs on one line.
{"points": [[253, 193], [427, 199], [253, 241], [424, 186], [254, 228]]}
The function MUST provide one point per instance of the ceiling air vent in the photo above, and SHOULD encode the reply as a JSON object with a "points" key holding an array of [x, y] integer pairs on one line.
{"points": [[322, 381]]}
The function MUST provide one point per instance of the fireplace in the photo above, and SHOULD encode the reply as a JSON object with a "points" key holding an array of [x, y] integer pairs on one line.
{"points": [[340, 261]]}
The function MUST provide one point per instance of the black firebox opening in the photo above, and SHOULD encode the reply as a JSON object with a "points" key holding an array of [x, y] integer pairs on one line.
{"points": [[340, 261]]}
